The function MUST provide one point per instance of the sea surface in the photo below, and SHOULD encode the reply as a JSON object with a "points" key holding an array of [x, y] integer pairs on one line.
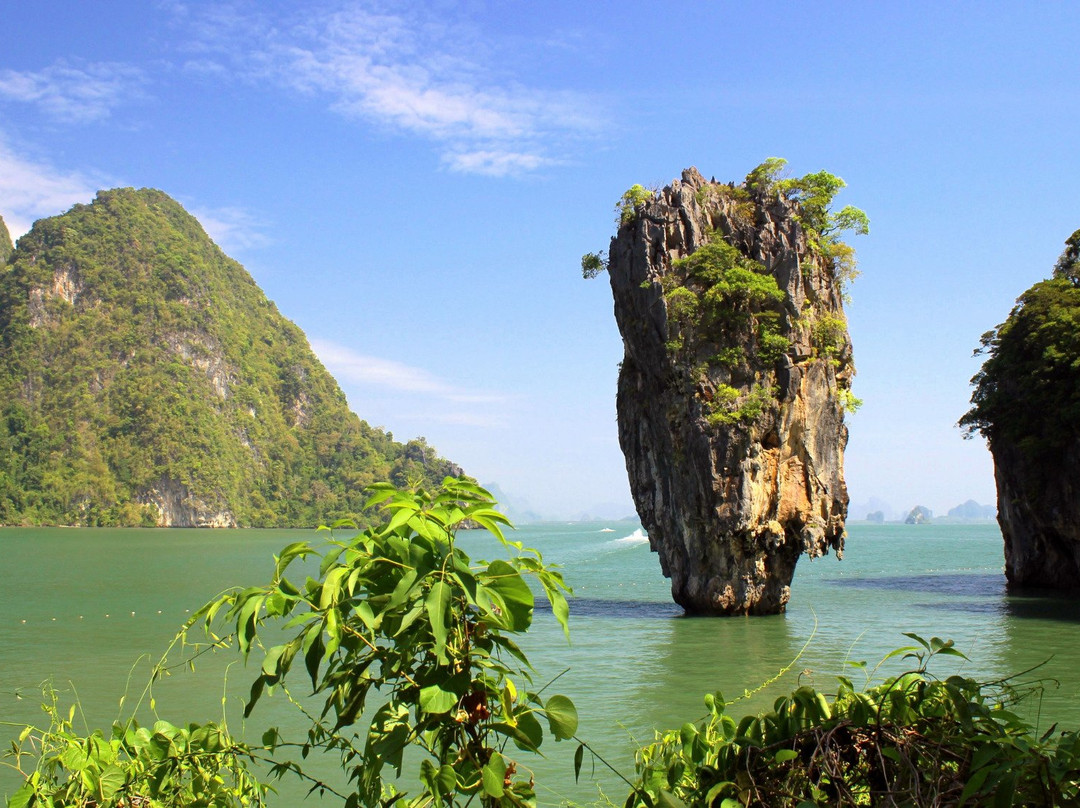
{"points": [[88, 610]]}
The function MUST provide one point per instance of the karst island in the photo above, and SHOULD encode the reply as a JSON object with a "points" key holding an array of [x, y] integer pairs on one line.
{"points": [[736, 377]]}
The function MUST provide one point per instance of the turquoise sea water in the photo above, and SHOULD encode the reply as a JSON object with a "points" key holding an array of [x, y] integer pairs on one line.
{"points": [[80, 607]]}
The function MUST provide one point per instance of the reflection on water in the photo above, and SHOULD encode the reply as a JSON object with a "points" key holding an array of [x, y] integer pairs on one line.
{"points": [[1047, 606], [973, 585], [618, 609]]}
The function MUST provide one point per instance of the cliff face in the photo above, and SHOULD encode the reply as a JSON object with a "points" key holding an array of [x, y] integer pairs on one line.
{"points": [[1026, 403], [146, 379], [731, 392], [1039, 515]]}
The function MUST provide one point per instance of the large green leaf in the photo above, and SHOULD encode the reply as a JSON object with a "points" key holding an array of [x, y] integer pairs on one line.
{"points": [[435, 603], [506, 583], [22, 797], [435, 700], [562, 717], [494, 774]]}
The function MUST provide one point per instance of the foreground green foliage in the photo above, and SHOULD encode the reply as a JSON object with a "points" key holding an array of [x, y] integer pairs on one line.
{"points": [[139, 364], [913, 740], [163, 766], [401, 616], [1027, 393]]}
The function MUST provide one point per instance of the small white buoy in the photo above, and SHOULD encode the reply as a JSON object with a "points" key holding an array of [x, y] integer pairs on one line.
{"points": [[106, 615], [80, 617], [133, 614], [24, 621], [159, 611], [54, 619]]}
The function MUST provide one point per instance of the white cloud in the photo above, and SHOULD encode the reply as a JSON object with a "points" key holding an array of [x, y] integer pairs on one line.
{"points": [[231, 228], [30, 190], [388, 374], [403, 72], [495, 163], [74, 93]]}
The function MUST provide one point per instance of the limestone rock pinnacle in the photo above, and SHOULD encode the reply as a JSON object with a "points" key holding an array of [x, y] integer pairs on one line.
{"points": [[732, 390]]}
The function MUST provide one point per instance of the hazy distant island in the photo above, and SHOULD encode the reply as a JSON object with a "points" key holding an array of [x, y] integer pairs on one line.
{"points": [[145, 379], [883, 513]]}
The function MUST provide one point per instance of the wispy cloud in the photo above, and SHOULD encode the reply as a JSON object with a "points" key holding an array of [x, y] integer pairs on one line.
{"points": [[74, 92], [232, 228], [373, 371], [30, 189], [495, 163], [401, 71]]}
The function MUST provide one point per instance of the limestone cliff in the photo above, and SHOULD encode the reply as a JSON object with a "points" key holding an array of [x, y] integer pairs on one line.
{"points": [[732, 390], [1026, 403], [1039, 515]]}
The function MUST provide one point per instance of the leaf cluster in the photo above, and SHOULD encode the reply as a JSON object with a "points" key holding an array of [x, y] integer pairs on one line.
{"points": [[164, 766], [913, 739], [815, 193], [729, 406], [731, 290], [592, 264], [630, 203], [409, 645]]}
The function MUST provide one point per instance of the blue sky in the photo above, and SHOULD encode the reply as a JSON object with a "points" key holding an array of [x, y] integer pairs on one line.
{"points": [[414, 185]]}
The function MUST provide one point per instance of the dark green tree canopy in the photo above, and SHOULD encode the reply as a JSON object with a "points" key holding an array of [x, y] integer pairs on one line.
{"points": [[1028, 390]]}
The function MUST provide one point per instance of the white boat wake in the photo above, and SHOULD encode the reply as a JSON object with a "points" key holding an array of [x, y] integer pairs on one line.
{"points": [[634, 539]]}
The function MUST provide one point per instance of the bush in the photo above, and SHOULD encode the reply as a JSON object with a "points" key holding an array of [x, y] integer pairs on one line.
{"points": [[911, 740], [628, 204]]}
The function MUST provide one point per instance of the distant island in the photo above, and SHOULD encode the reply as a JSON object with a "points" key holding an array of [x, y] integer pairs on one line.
{"points": [[968, 511], [145, 379]]}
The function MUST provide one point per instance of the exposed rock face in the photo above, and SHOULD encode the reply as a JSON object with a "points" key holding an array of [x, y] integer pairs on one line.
{"points": [[1039, 515], [177, 506], [730, 411]]}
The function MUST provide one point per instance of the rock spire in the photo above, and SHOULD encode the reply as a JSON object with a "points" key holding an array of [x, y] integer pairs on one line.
{"points": [[732, 391]]}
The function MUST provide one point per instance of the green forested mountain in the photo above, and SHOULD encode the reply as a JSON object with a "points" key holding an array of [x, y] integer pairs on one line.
{"points": [[5, 242], [146, 379]]}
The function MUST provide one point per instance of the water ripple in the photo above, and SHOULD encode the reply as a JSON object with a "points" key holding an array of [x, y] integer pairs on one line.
{"points": [[635, 609], [963, 584]]}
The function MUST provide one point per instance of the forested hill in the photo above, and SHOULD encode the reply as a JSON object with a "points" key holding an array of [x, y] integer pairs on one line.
{"points": [[5, 241], [146, 379]]}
